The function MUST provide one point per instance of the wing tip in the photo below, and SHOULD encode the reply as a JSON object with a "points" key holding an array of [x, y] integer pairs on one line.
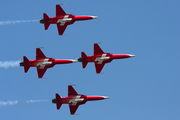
{"points": [[98, 43], [61, 4], [73, 85]]}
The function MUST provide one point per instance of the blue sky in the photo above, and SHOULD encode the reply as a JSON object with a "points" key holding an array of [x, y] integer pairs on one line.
{"points": [[145, 87]]}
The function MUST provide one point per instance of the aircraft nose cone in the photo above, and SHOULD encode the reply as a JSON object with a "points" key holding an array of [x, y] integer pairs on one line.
{"points": [[132, 55], [105, 97], [94, 17], [74, 61]]}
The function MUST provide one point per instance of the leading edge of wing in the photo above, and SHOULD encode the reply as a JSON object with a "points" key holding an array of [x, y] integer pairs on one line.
{"points": [[99, 67], [41, 72], [97, 49], [73, 108], [61, 29], [39, 54], [59, 11], [71, 91]]}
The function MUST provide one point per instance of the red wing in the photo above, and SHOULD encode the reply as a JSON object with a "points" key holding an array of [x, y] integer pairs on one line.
{"points": [[61, 29], [39, 54], [41, 72], [73, 108], [97, 49], [71, 91], [99, 67], [59, 11]]}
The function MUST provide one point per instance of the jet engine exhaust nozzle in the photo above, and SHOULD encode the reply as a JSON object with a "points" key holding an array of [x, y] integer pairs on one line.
{"points": [[54, 100], [80, 59], [42, 21], [21, 63]]}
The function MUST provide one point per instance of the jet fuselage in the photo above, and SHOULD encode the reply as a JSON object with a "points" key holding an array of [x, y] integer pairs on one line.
{"points": [[70, 19], [42, 63], [48, 62], [105, 57], [62, 19], [78, 99], [100, 58]]}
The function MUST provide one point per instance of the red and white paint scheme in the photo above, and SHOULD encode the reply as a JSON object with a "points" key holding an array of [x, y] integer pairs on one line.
{"points": [[42, 63], [74, 99], [62, 19], [100, 58]]}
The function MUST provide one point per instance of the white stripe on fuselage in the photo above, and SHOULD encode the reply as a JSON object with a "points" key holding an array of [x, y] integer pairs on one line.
{"points": [[44, 63], [102, 58], [64, 20], [76, 100]]}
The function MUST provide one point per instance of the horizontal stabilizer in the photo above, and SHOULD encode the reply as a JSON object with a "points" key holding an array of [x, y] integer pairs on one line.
{"points": [[84, 59], [46, 26], [46, 18], [26, 66], [59, 103]]}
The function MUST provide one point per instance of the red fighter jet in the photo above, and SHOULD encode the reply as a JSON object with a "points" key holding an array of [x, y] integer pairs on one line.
{"points": [[62, 19], [74, 99], [42, 63], [100, 58]]}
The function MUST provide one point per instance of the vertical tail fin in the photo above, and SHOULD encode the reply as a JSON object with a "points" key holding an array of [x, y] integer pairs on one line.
{"points": [[46, 18], [59, 103], [84, 59], [26, 66]]}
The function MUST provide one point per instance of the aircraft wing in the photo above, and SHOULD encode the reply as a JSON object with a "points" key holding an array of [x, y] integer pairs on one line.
{"points": [[59, 11], [99, 67], [41, 72], [39, 54], [73, 108], [61, 29], [97, 49], [71, 91]]}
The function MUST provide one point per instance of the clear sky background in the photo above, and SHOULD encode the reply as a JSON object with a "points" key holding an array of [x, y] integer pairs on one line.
{"points": [[145, 87]]}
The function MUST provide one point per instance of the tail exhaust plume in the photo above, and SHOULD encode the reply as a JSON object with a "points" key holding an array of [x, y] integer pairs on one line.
{"points": [[7, 64], [8, 103], [16, 21]]}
